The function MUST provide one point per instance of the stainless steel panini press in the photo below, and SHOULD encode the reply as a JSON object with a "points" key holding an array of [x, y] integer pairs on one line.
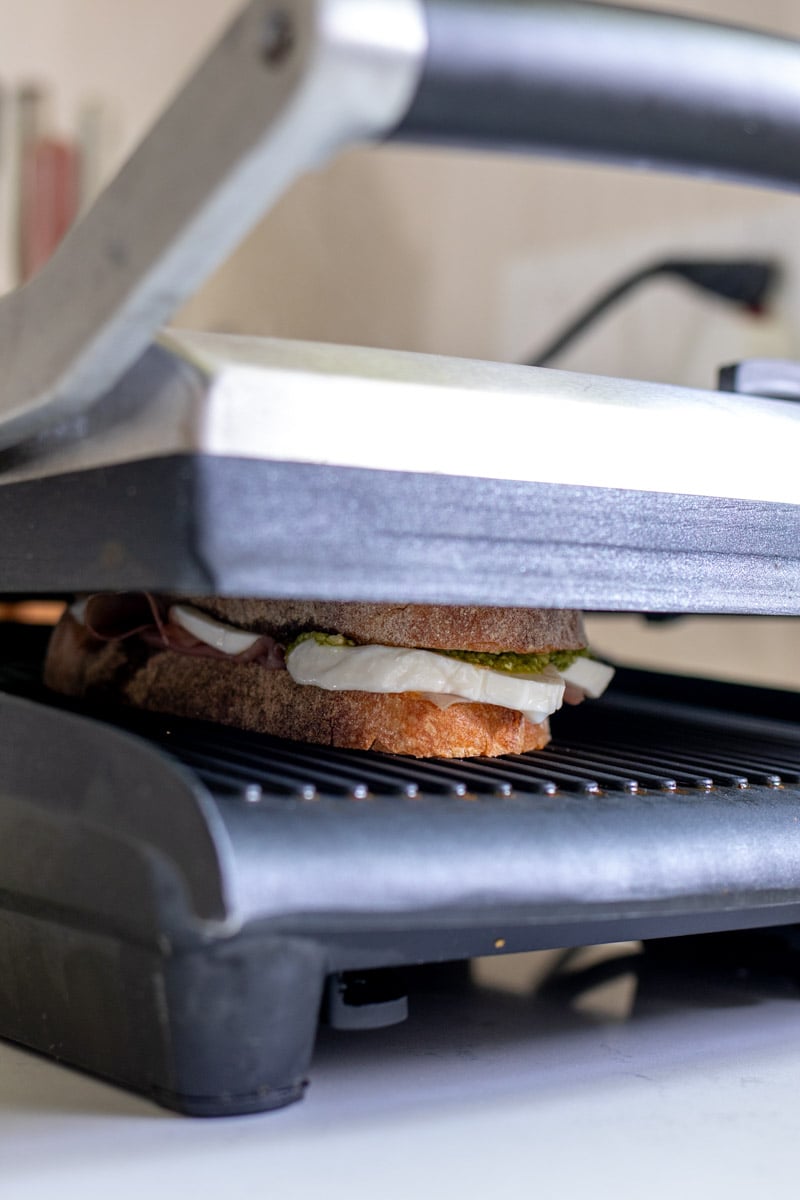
{"points": [[179, 902]]}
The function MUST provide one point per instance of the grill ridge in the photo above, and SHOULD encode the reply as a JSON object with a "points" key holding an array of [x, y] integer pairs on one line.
{"points": [[629, 742], [655, 756], [694, 751]]}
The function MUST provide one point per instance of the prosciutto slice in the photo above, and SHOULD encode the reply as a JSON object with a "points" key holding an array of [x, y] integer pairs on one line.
{"points": [[117, 617]]}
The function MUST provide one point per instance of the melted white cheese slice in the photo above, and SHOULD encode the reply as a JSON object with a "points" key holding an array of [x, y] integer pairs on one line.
{"points": [[591, 676], [442, 680], [394, 669], [213, 633]]}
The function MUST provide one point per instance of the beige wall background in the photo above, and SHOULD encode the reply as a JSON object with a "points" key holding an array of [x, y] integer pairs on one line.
{"points": [[473, 255], [420, 249]]}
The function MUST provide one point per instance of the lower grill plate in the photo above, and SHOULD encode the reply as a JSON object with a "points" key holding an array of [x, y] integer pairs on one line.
{"points": [[173, 895]]}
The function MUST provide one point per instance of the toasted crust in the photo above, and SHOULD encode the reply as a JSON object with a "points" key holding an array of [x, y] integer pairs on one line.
{"points": [[249, 696], [432, 626]]}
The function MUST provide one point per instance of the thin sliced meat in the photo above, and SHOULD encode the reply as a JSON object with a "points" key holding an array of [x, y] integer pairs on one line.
{"points": [[117, 617]]}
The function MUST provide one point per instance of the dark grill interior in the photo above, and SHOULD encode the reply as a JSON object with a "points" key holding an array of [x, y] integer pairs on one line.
{"points": [[586, 756], [638, 739]]}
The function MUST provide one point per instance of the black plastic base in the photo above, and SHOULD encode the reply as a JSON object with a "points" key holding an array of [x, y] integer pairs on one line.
{"points": [[264, 1100], [219, 1031]]}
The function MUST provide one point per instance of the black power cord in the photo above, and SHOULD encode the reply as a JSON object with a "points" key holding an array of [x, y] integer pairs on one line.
{"points": [[744, 282]]}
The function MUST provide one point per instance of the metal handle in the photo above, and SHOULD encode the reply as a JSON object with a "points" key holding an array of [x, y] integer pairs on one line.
{"points": [[293, 81], [288, 84], [610, 83]]}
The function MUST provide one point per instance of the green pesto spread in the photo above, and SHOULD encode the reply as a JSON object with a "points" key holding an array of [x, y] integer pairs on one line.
{"points": [[322, 639], [523, 664], [529, 664]]}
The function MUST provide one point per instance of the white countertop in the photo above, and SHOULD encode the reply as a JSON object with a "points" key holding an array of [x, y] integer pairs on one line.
{"points": [[486, 1092]]}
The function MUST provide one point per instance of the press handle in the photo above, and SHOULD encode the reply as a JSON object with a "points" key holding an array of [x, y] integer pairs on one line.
{"points": [[288, 85], [610, 83]]}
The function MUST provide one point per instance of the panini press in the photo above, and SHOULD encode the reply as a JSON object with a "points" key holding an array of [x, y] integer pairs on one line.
{"points": [[180, 902]]}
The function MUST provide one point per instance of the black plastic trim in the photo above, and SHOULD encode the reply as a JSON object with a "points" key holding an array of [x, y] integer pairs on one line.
{"points": [[610, 83]]}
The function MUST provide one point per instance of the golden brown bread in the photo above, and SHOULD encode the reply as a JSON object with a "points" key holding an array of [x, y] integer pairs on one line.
{"points": [[429, 626], [251, 697]]}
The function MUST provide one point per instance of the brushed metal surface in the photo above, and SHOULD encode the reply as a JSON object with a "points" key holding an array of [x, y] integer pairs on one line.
{"points": [[283, 401]]}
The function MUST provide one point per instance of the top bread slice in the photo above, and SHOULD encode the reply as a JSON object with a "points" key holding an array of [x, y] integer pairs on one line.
{"points": [[483, 629]]}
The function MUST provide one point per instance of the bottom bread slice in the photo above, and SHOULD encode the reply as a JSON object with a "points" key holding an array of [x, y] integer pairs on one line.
{"points": [[250, 696]]}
